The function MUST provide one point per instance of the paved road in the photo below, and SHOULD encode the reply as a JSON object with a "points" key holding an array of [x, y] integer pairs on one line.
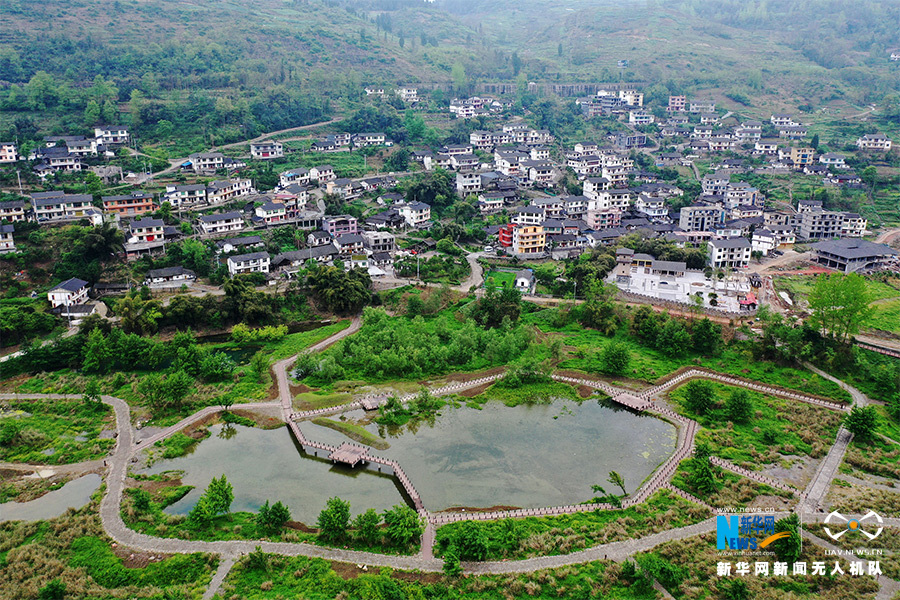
{"points": [[814, 495]]}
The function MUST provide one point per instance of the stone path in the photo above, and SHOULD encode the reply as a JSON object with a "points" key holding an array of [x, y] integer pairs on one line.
{"points": [[814, 494], [225, 564]]}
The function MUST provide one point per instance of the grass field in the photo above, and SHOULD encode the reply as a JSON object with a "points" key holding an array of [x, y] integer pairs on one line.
{"points": [[885, 298], [54, 431], [778, 427], [354, 432], [501, 278]]}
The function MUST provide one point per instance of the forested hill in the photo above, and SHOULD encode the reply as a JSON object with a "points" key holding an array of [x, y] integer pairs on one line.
{"points": [[202, 43]]}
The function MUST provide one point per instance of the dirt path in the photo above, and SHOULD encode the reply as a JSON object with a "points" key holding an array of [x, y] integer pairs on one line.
{"points": [[279, 132]]}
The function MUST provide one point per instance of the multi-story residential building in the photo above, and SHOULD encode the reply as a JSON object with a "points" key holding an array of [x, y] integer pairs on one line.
{"points": [[12, 211], [374, 91], [783, 120], [714, 184], [111, 134], [184, 195], [55, 158], [677, 104], [363, 140], [654, 207], [592, 186], [379, 241], [467, 183], [529, 239], [7, 244], [853, 225], [408, 94], [8, 152], [701, 217], [483, 140], [874, 141], [792, 132], [146, 230], [300, 176], [528, 215], [802, 156], [337, 225], [702, 106], [81, 146], [255, 262], [225, 189], [135, 203], [416, 214], [51, 206], [540, 172], [322, 174], [207, 162], [833, 160], [820, 224], [69, 293], [765, 146], [221, 223], [730, 253], [271, 212], [266, 150], [584, 165], [742, 194]]}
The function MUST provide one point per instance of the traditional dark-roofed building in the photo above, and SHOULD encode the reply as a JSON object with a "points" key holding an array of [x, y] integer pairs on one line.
{"points": [[851, 255]]}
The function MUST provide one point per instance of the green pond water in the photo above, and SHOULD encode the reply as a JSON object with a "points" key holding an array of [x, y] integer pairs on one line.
{"points": [[74, 494], [527, 456]]}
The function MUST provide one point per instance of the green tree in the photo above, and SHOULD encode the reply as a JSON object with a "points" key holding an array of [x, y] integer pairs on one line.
{"points": [[366, 526], [458, 74], [862, 422], [272, 518], [599, 312], [220, 494], [109, 113], [840, 305], [92, 392], [702, 475], [470, 541], [673, 339], [452, 568], [707, 337], [735, 589], [334, 520], [404, 526], [739, 406], [96, 353], [92, 113], [617, 480], [788, 549], [699, 396], [615, 358]]}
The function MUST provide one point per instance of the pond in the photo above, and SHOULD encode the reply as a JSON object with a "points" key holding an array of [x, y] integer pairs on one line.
{"points": [[74, 494], [266, 465], [527, 456]]}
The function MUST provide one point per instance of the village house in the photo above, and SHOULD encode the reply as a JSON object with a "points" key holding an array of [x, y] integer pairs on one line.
{"points": [[111, 134], [135, 203], [229, 245], [56, 205], [490, 203], [833, 160], [255, 262], [8, 152], [584, 165], [12, 211], [266, 150], [145, 230], [765, 146], [7, 244], [322, 174], [408, 94], [300, 176], [68, 293], [379, 241], [416, 214], [677, 104], [709, 118], [224, 190], [184, 195], [349, 244], [318, 238], [271, 212], [528, 215], [221, 223], [540, 172], [782, 120], [482, 140], [701, 217], [524, 281], [363, 140], [529, 239], [794, 132], [702, 106], [206, 162], [850, 256], [874, 141], [730, 253], [55, 159], [170, 277], [374, 91], [467, 183], [337, 225]]}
